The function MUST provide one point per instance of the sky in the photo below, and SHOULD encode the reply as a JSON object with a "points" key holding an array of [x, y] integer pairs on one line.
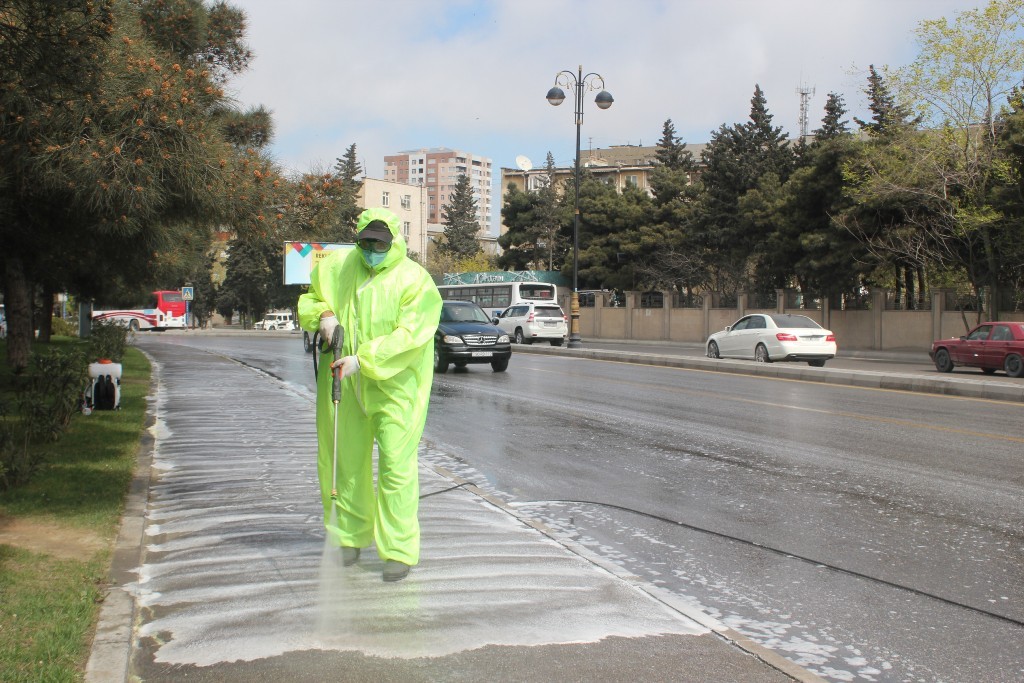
{"points": [[472, 75]]}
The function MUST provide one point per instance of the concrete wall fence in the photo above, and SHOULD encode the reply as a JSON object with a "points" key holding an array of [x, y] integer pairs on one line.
{"points": [[873, 328]]}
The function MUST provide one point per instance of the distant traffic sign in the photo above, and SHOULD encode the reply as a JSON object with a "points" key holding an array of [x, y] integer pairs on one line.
{"points": [[186, 293]]}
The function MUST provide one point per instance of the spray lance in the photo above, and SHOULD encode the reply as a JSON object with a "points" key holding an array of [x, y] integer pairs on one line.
{"points": [[336, 341]]}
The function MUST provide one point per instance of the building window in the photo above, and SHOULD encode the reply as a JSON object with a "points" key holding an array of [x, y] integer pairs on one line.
{"points": [[406, 201], [631, 181], [385, 198], [406, 227]]}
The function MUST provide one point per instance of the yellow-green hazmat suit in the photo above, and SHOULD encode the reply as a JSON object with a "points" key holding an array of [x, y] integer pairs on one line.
{"points": [[389, 315]]}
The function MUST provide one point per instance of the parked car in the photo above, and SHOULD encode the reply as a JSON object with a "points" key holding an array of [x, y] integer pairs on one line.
{"points": [[768, 337], [990, 346], [276, 321], [465, 335], [530, 322]]}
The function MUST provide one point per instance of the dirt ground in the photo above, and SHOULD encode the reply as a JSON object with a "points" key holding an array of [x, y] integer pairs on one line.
{"points": [[45, 537]]}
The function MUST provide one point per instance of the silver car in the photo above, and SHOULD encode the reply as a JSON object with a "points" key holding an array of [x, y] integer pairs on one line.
{"points": [[768, 337], [526, 323]]}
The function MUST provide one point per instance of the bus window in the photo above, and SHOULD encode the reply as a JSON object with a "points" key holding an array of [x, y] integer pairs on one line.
{"points": [[537, 291], [502, 297]]}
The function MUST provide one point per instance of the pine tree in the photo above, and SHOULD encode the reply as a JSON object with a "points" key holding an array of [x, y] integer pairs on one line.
{"points": [[806, 243], [672, 152], [767, 145], [461, 226], [736, 161], [113, 137], [887, 117], [672, 176], [832, 126], [347, 171]]}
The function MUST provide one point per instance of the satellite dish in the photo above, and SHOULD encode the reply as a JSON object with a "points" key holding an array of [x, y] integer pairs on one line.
{"points": [[524, 163]]}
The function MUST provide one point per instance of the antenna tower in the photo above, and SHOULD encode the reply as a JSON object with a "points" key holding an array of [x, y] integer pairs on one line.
{"points": [[805, 94]]}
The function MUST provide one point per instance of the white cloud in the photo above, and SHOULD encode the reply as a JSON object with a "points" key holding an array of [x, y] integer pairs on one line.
{"points": [[390, 75]]}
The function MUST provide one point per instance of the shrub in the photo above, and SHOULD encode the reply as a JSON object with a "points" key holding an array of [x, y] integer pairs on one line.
{"points": [[63, 328], [109, 340], [47, 395]]}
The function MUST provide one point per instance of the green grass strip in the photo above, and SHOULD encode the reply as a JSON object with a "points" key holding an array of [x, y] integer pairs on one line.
{"points": [[49, 605]]}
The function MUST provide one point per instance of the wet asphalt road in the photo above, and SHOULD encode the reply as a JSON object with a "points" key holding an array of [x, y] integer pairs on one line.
{"points": [[865, 534]]}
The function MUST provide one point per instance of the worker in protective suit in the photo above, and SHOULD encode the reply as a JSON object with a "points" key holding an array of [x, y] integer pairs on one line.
{"points": [[388, 308]]}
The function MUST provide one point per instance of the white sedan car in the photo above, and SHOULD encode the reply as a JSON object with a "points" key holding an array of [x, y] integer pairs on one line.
{"points": [[768, 337]]}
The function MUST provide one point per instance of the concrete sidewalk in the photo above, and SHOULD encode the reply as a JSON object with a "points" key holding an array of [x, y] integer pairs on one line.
{"points": [[222, 572]]}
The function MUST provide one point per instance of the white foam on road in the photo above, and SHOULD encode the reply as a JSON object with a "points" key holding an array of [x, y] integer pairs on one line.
{"points": [[236, 569]]}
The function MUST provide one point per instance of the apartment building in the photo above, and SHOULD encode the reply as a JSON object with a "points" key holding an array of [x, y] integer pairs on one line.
{"points": [[620, 166], [437, 170]]}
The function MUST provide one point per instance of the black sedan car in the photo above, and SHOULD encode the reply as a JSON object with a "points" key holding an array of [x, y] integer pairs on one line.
{"points": [[465, 335]]}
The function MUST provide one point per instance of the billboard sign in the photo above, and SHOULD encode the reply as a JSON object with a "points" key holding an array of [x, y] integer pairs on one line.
{"points": [[301, 257]]}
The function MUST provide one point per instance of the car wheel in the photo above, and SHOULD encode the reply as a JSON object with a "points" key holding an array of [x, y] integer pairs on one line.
{"points": [[307, 342], [133, 325], [943, 363], [499, 365], [761, 354], [816, 363], [519, 339], [1014, 365], [440, 364], [988, 371], [556, 342], [713, 351]]}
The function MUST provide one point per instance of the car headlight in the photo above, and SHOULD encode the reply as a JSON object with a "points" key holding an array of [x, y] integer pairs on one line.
{"points": [[503, 339], [451, 339]]}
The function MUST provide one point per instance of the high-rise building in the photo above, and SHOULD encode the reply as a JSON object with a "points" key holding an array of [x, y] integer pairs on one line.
{"points": [[438, 169]]}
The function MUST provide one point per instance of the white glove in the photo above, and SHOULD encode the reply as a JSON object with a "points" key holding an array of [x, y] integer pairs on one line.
{"points": [[328, 324], [349, 365]]}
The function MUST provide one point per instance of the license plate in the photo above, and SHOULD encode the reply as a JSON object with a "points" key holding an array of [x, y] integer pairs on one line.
{"points": [[482, 354], [550, 323]]}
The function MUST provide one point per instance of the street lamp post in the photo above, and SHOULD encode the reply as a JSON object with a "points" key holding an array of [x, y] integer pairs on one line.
{"points": [[582, 84]]}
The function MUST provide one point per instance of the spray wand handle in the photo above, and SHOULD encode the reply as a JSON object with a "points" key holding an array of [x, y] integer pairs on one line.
{"points": [[336, 340]]}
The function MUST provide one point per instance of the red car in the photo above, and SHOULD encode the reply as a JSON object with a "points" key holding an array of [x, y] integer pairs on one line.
{"points": [[990, 346]]}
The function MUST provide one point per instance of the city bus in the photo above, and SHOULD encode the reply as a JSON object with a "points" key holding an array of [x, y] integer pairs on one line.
{"points": [[495, 297]]}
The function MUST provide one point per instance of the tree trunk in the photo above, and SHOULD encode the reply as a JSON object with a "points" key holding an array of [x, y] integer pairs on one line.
{"points": [[899, 286], [46, 315], [908, 281], [921, 285], [18, 309]]}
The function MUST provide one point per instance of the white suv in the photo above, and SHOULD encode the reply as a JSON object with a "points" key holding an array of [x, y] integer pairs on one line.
{"points": [[526, 323], [276, 321]]}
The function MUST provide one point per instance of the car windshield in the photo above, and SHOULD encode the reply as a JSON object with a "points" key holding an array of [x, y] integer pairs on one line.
{"points": [[462, 313], [791, 320], [548, 312]]}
